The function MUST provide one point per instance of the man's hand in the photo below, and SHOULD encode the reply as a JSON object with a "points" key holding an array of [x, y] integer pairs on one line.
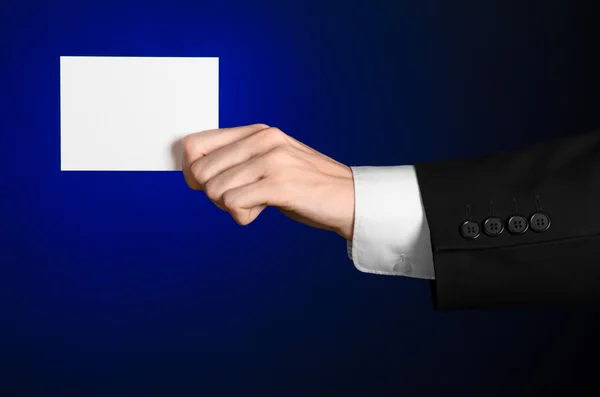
{"points": [[244, 169]]}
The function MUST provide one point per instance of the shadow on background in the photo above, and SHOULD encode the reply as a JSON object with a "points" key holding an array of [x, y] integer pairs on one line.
{"points": [[177, 153]]}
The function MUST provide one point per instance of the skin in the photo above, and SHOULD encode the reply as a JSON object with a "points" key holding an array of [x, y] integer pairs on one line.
{"points": [[245, 169]]}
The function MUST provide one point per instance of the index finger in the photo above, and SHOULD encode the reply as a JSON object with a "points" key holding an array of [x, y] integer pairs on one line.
{"points": [[202, 143]]}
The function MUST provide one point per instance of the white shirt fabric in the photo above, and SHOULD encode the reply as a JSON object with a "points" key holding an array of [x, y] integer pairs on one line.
{"points": [[391, 235]]}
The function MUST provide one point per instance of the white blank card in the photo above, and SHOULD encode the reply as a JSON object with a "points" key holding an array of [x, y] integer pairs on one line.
{"points": [[130, 113]]}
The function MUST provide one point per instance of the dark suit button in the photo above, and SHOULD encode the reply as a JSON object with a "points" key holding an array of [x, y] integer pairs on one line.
{"points": [[517, 224], [470, 230], [493, 226], [539, 222]]}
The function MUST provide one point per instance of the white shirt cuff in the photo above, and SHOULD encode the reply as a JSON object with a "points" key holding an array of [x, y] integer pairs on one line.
{"points": [[391, 235]]}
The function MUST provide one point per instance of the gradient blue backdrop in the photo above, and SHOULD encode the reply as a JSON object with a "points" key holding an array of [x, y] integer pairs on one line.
{"points": [[129, 283]]}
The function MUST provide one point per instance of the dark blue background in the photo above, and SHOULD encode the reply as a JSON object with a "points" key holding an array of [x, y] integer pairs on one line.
{"points": [[115, 284]]}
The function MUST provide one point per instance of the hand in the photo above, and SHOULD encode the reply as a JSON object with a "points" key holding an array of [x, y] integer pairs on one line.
{"points": [[245, 169]]}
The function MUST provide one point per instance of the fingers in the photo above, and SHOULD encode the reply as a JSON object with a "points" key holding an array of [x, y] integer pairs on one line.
{"points": [[238, 168], [223, 159], [246, 202], [256, 169], [200, 144]]}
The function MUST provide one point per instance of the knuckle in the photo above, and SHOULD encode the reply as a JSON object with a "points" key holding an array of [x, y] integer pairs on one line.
{"points": [[191, 182], [229, 200], [199, 172], [188, 143], [240, 217], [242, 221], [274, 134], [212, 190], [261, 126], [277, 156]]}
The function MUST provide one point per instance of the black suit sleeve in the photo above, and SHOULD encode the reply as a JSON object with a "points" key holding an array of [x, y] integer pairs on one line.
{"points": [[519, 227]]}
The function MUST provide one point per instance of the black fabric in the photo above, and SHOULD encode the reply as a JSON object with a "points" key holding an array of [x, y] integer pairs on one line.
{"points": [[561, 178]]}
